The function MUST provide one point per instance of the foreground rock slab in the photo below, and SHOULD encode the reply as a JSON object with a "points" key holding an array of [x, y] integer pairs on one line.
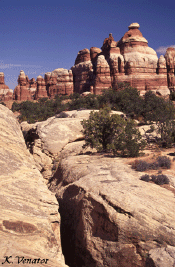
{"points": [[29, 218], [109, 216]]}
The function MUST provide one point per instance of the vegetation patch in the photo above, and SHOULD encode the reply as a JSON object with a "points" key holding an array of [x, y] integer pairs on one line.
{"points": [[112, 133], [159, 179], [160, 162]]}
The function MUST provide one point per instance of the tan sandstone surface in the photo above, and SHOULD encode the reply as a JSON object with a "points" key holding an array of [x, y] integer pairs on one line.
{"points": [[109, 216], [29, 218], [116, 219]]}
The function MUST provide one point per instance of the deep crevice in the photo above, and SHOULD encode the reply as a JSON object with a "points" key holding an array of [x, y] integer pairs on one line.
{"points": [[117, 208]]}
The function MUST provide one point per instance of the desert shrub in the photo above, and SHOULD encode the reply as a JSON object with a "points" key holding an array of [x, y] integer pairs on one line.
{"points": [[161, 179], [140, 165], [166, 130], [145, 178], [15, 106], [130, 142], [157, 179], [161, 162], [89, 101], [172, 96], [153, 165], [157, 109], [2, 103], [100, 129], [126, 99], [164, 162], [129, 101], [38, 111], [153, 178], [107, 132]]}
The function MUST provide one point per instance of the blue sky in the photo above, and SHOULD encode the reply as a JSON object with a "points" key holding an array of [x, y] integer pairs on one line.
{"points": [[40, 36]]}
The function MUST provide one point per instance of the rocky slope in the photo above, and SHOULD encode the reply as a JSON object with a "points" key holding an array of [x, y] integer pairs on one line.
{"points": [[109, 216], [29, 218]]}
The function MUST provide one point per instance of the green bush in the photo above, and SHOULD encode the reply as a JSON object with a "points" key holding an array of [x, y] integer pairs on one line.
{"points": [[166, 130], [107, 133], [38, 111], [157, 109], [160, 162], [89, 101], [2, 103], [126, 99], [172, 96], [159, 179]]}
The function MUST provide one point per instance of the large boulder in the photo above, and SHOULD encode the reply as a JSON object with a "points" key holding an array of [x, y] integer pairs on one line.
{"points": [[29, 218], [47, 139], [109, 216]]}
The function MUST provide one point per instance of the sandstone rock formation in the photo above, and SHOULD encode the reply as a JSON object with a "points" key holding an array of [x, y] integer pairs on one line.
{"points": [[102, 77], [29, 219], [116, 219], [161, 257], [170, 62], [141, 62], [41, 88], [21, 91], [129, 60], [47, 139], [5, 93], [109, 216], [83, 72], [59, 82]]}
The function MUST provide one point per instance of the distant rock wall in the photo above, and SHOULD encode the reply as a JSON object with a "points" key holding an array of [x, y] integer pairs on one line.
{"points": [[129, 60], [5, 92]]}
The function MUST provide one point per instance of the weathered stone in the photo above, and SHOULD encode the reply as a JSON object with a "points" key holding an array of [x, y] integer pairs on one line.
{"points": [[170, 62], [6, 94], [41, 88], [83, 72], [83, 55], [22, 91], [59, 82], [103, 78], [94, 53], [161, 257], [130, 60], [29, 219], [109, 216]]}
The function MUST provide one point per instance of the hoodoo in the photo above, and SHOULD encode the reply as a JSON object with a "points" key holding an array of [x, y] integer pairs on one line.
{"points": [[128, 60]]}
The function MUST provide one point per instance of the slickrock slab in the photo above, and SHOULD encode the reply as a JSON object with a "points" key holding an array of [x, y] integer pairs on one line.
{"points": [[29, 218], [51, 136], [161, 257], [109, 216]]}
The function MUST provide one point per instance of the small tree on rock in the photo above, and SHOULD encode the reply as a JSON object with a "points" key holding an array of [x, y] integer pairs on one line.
{"points": [[107, 133]]}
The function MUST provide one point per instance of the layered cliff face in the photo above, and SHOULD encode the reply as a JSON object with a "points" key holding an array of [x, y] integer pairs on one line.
{"points": [[29, 218], [170, 62], [141, 63], [59, 82], [22, 90], [128, 60], [83, 72], [5, 92]]}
